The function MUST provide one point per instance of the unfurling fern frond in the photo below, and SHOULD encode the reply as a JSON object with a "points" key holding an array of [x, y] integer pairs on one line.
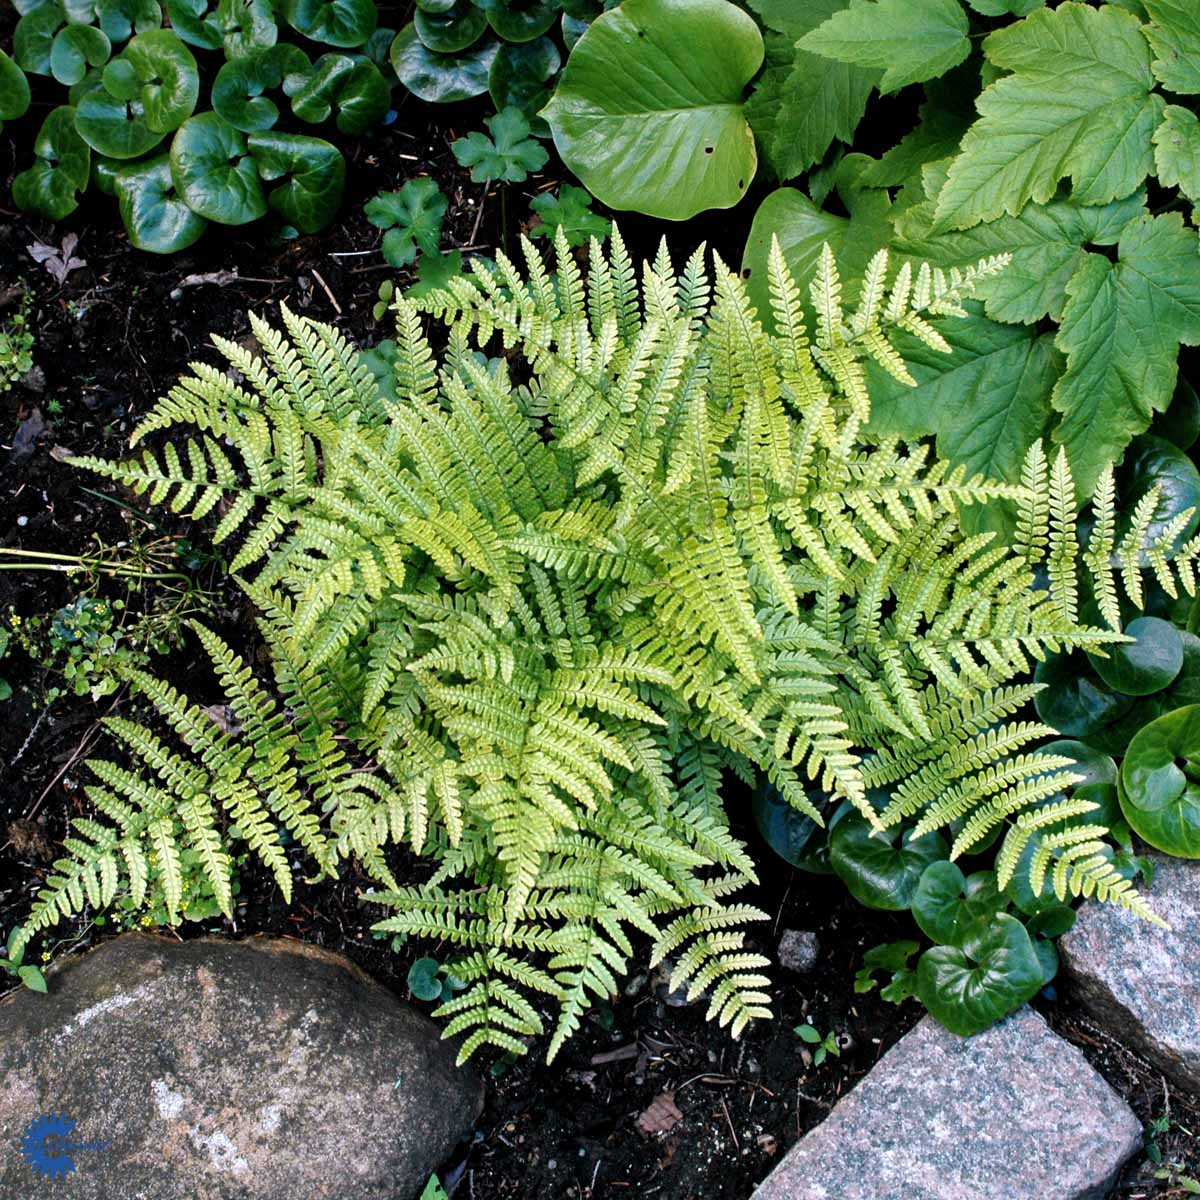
{"points": [[528, 608]]}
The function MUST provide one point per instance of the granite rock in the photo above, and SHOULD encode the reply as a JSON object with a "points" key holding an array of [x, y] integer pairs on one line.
{"points": [[1142, 982], [219, 1070], [799, 950], [1014, 1113]]}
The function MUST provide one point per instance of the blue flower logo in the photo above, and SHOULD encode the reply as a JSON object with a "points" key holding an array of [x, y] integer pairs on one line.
{"points": [[44, 1147]]}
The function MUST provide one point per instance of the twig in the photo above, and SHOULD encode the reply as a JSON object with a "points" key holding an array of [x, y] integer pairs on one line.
{"points": [[729, 1121], [325, 288], [84, 745], [479, 214], [618, 1055]]}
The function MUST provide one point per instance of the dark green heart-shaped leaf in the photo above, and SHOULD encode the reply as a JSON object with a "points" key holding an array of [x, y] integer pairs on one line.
{"points": [[572, 30], [424, 980], [237, 91], [170, 81], [121, 80], [76, 48], [1048, 956], [214, 172], [1019, 888], [1074, 700], [1160, 783], [1148, 664], [1115, 737], [441, 78], [33, 39], [436, 6], [451, 31], [313, 174], [14, 90], [1180, 424], [104, 174], [952, 908], [648, 111], [1089, 763], [969, 988], [59, 171], [155, 218], [195, 21], [785, 829], [346, 23], [1186, 688], [120, 18], [520, 20], [246, 25], [881, 870], [378, 45], [112, 127], [352, 85], [1051, 922], [1149, 461], [520, 78]]}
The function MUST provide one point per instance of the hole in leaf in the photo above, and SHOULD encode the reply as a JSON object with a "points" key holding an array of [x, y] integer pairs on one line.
{"points": [[708, 149], [746, 273], [741, 183]]}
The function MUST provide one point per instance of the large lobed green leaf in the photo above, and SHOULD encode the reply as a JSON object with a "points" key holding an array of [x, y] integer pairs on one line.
{"points": [[803, 101], [908, 40], [1121, 328], [1077, 104]]}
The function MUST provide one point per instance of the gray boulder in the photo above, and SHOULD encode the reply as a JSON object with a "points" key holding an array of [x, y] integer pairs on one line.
{"points": [[1142, 982], [220, 1070], [1014, 1113]]}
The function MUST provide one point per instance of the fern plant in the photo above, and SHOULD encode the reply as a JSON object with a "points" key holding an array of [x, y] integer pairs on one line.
{"points": [[525, 616]]}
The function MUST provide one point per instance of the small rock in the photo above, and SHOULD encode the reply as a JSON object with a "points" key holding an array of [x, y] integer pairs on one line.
{"points": [[672, 997], [34, 380], [1014, 1112], [636, 983], [1142, 982], [262, 1069], [799, 950]]}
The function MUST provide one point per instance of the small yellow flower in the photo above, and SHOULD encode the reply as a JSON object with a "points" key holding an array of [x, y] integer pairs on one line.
{"points": [[146, 920], [45, 956]]}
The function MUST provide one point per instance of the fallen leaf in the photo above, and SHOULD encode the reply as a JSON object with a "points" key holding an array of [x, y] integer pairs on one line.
{"points": [[224, 717], [61, 453], [661, 1117], [59, 261], [28, 432], [215, 278]]}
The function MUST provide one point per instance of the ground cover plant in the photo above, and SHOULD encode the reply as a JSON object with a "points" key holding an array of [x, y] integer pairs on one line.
{"points": [[198, 113]]}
